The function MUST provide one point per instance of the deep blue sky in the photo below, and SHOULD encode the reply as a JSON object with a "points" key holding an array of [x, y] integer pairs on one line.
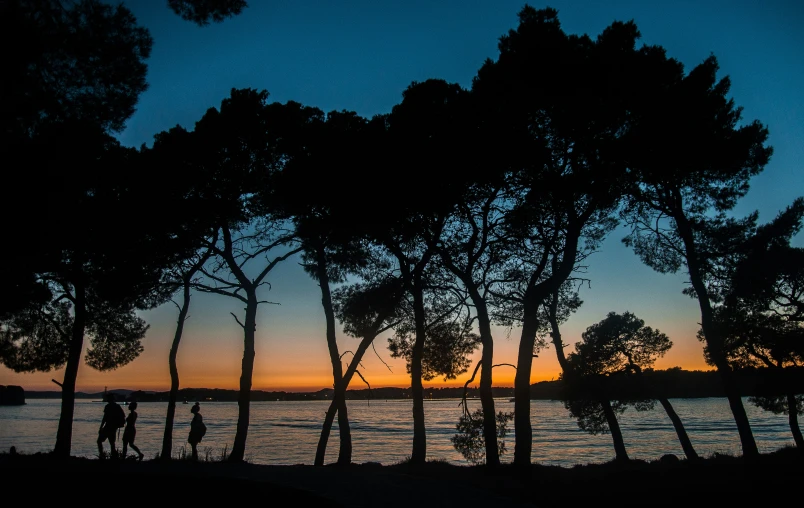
{"points": [[361, 55]]}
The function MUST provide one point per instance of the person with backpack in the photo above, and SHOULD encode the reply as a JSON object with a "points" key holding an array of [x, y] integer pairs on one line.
{"points": [[113, 418], [197, 429], [131, 431]]}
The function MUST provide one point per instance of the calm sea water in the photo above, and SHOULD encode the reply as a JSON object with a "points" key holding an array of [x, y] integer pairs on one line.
{"points": [[382, 431]]}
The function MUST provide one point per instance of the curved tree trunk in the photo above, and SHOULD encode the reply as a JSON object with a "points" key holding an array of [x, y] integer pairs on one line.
{"points": [[64, 434], [167, 439], [730, 387], [558, 344], [792, 418], [337, 406], [614, 428], [329, 416], [326, 429], [534, 296], [247, 371], [419, 454], [683, 438], [523, 433], [713, 338], [339, 394]]}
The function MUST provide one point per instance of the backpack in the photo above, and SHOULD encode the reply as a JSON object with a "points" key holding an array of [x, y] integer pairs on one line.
{"points": [[117, 417]]}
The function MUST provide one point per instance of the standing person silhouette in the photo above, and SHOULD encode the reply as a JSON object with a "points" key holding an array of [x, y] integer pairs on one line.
{"points": [[109, 425], [197, 429], [130, 432]]}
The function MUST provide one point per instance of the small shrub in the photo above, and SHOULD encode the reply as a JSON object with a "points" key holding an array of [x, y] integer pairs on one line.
{"points": [[470, 441], [404, 461]]}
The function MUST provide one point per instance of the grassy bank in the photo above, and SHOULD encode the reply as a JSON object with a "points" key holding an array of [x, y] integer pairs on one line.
{"points": [[715, 479]]}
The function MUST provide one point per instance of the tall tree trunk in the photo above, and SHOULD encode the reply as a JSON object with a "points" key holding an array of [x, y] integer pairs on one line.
{"points": [[64, 434], [337, 406], [792, 418], [683, 438], [345, 450], [614, 428], [523, 434], [713, 338], [247, 371], [486, 361], [730, 387], [167, 439], [486, 395], [419, 454], [329, 416], [534, 296], [339, 393]]}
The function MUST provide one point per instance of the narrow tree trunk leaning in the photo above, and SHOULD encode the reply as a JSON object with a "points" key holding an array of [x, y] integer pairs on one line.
{"points": [[333, 406], [558, 344], [339, 394], [326, 429], [338, 402], [792, 418], [167, 439], [523, 433], [64, 434], [614, 428], [686, 444], [244, 396], [419, 453], [730, 387], [681, 432], [714, 341]]}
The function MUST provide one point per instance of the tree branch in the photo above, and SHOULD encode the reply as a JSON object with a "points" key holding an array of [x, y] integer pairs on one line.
{"points": [[378, 356], [232, 294], [273, 263], [367, 384], [504, 364], [238, 321]]}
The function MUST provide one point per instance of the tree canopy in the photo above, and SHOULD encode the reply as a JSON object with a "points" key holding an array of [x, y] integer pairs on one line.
{"points": [[202, 12]]}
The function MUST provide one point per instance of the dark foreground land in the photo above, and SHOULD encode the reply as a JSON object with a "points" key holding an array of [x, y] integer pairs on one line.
{"points": [[722, 480]]}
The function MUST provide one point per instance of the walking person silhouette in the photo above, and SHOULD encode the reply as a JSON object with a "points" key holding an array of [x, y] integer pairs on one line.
{"points": [[113, 419], [197, 429], [130, 432]]}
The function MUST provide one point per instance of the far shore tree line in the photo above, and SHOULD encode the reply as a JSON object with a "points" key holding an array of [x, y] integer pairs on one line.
{"points": [[673, 382], [457, 210]]}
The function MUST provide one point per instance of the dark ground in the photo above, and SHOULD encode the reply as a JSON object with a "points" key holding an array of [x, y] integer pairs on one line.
{"points": [[722, 480]]}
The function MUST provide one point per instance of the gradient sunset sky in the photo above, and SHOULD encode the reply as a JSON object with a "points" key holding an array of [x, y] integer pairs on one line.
{"points": [[360, 56]]}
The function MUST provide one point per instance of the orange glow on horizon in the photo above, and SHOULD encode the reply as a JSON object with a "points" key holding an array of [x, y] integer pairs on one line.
{"points": [[97, 383], [291, 364]]}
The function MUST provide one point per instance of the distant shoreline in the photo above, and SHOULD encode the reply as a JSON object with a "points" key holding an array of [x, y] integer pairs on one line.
{"points": [[671, 383]]}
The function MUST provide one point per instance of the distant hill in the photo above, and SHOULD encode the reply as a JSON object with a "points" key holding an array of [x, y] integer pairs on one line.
{"points": [[678, 383], [56, 394], [670, 383]]}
